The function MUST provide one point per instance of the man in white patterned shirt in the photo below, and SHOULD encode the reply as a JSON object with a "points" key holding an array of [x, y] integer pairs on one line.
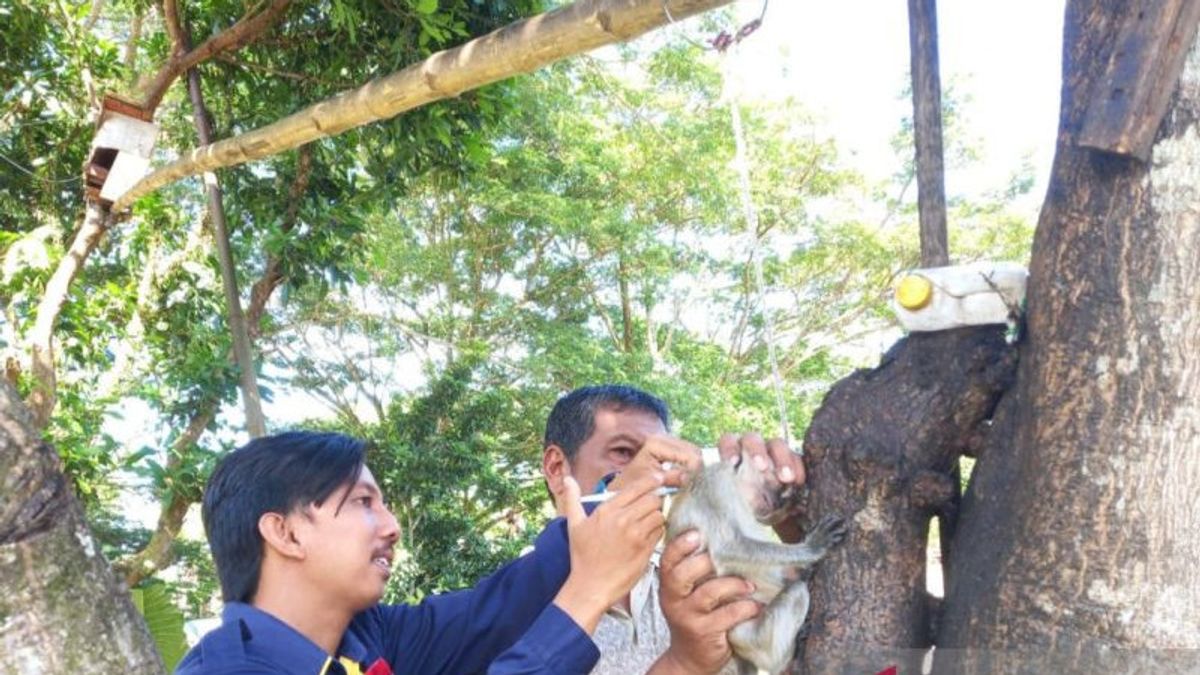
{"points": [[676, 617]]}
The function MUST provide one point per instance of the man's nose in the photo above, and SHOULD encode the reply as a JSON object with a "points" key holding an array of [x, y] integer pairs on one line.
{"points": [[391, 526]]}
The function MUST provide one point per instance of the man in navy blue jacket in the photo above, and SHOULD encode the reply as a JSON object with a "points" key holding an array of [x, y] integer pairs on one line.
{"points": [[303, 544]]}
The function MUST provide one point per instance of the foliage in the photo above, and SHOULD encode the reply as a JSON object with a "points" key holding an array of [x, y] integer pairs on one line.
{"points": [[579, 249], [164, 620], [455, 530]]}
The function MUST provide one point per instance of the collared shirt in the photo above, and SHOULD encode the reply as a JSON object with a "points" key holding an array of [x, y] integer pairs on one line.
{"points": [[505, 625], [631, 641]]}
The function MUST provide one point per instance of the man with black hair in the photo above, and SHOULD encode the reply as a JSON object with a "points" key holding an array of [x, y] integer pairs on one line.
{"points": [[303, 544], [676, 617]]}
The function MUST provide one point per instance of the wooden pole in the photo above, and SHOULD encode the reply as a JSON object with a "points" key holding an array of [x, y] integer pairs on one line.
{"points": [[518, 48], [251, 400], [927, 127], [931, 196]]}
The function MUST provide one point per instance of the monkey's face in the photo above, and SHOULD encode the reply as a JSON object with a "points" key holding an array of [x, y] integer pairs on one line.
{"points": [[766, 496]]}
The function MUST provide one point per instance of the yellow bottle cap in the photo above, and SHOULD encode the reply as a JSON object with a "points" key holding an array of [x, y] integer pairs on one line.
{"points": [[914, 292]]}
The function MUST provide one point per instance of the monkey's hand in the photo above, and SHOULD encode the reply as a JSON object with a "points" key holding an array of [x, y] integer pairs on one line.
{"points": [[700, 609], [609, 549], [774, 458], [829, 532], [783, 477]]}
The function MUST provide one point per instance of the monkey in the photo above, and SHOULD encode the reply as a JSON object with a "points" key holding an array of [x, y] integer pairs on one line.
{"points": [[728, 504]]}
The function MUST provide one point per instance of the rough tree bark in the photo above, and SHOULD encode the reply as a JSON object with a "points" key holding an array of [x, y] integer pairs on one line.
{"points": [[1079, 541], [61, 608], [880, 452]]}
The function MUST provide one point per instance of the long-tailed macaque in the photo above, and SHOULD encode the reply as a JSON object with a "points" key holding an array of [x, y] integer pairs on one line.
{"points": [[727, 505]]}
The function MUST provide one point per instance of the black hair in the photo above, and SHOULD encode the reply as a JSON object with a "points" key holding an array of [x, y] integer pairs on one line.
{"points": [[573, 418], [272, 474]]}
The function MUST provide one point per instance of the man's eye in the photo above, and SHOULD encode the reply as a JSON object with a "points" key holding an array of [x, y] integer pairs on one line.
{"points": [[365, 501]]}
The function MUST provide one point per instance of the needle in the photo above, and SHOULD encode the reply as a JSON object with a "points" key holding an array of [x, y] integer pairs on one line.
{"points": [[605, 496], [709, 456]]}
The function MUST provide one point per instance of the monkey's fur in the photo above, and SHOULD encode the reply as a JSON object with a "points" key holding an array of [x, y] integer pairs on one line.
{"points": [[728, 505]]}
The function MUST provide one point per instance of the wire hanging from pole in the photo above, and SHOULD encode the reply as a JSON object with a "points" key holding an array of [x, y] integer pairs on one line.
{"points": [[750, 212], [721, 43], [724, 39]]}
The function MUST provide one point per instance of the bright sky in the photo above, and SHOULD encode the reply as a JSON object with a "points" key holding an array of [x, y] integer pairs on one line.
{"points": [[848, 61]]}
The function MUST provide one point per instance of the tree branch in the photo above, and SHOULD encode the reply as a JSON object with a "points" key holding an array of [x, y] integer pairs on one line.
{"points": [[272, 275], [235, 37], [286, 74], [94, 14], [129, 59], [520, 47], [158, 552], [42, 399], [173, 25]]}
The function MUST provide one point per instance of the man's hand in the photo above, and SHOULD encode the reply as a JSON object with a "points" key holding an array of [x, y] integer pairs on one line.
{"points": [[656, 450], [609, 549], [700, 609], [783, 471]]}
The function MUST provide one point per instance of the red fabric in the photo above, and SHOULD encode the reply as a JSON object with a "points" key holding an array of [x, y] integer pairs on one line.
{"points": [[381, 667], [890, 670]]}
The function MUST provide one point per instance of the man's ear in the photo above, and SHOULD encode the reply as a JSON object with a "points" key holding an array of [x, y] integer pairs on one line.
{"points": [[554, 468], [279, 534]]}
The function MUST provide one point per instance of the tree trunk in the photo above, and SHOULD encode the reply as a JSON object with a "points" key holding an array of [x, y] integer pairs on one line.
{"points": [[880, 452], [61, 608], [42, 398], [1078, 544]]}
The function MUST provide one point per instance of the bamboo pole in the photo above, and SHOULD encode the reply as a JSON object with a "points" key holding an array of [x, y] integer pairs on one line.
{"points": [[518, 48]]}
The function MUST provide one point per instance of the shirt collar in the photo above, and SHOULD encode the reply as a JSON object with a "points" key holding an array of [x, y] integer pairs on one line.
{"points": [[283, 645]]}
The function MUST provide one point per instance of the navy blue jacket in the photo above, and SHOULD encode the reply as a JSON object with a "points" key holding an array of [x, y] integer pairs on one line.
{"points": [[505, 625]]}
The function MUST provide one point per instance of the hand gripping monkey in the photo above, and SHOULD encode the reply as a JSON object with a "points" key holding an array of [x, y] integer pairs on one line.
{"points": [[727, 504]]}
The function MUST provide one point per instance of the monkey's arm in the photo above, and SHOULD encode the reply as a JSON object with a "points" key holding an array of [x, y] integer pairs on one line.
{"points": [[741, 552], [745, 552]]}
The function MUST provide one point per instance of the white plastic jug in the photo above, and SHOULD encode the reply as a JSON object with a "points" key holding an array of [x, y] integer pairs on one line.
{"points": [[939, 298]]}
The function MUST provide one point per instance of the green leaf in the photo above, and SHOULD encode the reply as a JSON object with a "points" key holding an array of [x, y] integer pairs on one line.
{"points": [[426, 6], [164, 620]]}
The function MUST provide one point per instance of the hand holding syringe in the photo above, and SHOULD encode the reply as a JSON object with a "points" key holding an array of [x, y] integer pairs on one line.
{"points": [[652, 457]]}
